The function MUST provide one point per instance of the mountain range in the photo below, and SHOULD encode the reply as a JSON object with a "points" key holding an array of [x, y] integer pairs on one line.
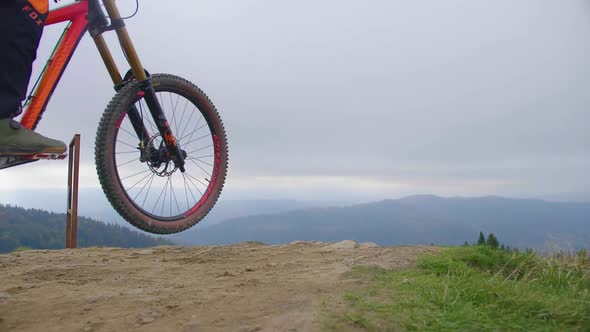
{"points": [[424, 219]]}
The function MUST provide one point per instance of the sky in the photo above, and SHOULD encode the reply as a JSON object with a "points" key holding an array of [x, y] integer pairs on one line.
{"points": [[358, 99]]}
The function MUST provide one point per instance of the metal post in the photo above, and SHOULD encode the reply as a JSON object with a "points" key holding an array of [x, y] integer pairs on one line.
{"points": [[73, 176]]}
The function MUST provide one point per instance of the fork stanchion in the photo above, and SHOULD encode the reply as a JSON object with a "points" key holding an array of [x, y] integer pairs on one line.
{"points": [[73, 176]]}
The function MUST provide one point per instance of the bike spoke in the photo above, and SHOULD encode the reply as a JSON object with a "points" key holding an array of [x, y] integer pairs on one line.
{"points": [[183, 136], [142, 188], [201, 149], [202, 157], [182, 117], [136, 183], [175, 199], [188, 122], [198, 139], [199, 166], [199, 160], [194, 185], [174, 110], [136, 174], [201, 182], [127, 163], [133, 135], [186, 192], [194, 131], [165, 194], [158, 201], [129, 145], [127, 152], [148, 191]]}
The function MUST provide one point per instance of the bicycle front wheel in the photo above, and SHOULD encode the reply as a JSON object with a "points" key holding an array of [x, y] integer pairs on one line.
{"points": [[138, 175]]}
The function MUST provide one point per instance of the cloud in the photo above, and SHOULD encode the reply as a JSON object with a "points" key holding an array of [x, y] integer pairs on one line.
{"points": [[477, 95]]}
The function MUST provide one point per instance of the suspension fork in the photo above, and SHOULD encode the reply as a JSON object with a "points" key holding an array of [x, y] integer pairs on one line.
{"points": [[98, 25], [147, 89], [133, 113]]}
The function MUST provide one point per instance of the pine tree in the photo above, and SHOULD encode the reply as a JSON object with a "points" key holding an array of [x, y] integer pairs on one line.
{"points": [[482, 240], [502, 247], [492, 241]]}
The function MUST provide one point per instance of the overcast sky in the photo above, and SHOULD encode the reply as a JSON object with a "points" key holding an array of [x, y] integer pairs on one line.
{"points": [[333, 99]]}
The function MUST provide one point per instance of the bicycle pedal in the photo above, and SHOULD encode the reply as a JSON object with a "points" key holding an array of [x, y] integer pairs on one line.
{"points": [[45, 156], [11, 161]]}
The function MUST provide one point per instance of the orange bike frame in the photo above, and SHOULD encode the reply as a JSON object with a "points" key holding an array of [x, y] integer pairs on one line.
{"points": [[77, 15], [87, 15]]}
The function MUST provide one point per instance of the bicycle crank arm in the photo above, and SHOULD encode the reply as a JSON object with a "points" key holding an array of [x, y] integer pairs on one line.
{"points": [[163, 126]]}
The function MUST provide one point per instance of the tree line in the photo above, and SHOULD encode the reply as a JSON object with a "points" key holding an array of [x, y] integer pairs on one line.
{"points": [[492, 241], [39, 229]]}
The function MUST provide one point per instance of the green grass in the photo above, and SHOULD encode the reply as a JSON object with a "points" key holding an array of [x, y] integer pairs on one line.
{"points": [[22, 248], [472, 288]]}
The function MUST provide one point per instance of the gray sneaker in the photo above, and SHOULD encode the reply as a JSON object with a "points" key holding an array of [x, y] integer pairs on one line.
{"points": [[16, 140]]}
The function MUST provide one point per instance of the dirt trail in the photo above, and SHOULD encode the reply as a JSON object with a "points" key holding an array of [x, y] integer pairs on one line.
{"points": [[245, 287]]}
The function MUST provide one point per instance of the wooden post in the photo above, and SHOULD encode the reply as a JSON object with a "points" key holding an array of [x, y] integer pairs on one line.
{"points": [[73, 177]]}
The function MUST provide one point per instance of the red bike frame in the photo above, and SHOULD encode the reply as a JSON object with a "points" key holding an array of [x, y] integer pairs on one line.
{"points": [[77, 15], [84, 15]]}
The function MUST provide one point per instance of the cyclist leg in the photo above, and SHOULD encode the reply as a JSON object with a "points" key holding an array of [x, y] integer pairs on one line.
{"points": [[21, 23]]}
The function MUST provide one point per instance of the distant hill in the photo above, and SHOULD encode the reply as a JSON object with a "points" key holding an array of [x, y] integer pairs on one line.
{"points": [[229, 209], [417, 220], [40, 229], [226, 210], [579, 197], [93, 204]]}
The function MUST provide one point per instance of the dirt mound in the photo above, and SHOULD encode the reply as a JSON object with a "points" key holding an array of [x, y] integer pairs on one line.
{"points": [[244, 287]]}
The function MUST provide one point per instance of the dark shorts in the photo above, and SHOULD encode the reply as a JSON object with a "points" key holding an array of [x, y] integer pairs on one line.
{"points": [[21, 27]]}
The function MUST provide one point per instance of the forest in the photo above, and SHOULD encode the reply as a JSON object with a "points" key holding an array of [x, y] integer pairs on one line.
{"points": [[39, 229]]}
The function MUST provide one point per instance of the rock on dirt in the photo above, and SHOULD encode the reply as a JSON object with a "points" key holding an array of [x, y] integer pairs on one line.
{"points": [[243, 287], [4, 297], [346, 244]]}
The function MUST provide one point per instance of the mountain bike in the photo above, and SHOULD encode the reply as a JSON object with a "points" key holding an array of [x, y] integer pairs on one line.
{"points": [[161, 149]]}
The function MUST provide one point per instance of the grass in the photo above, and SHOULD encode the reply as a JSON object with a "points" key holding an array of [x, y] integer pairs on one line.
{"points": [[473, 288], [22, 248]]}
